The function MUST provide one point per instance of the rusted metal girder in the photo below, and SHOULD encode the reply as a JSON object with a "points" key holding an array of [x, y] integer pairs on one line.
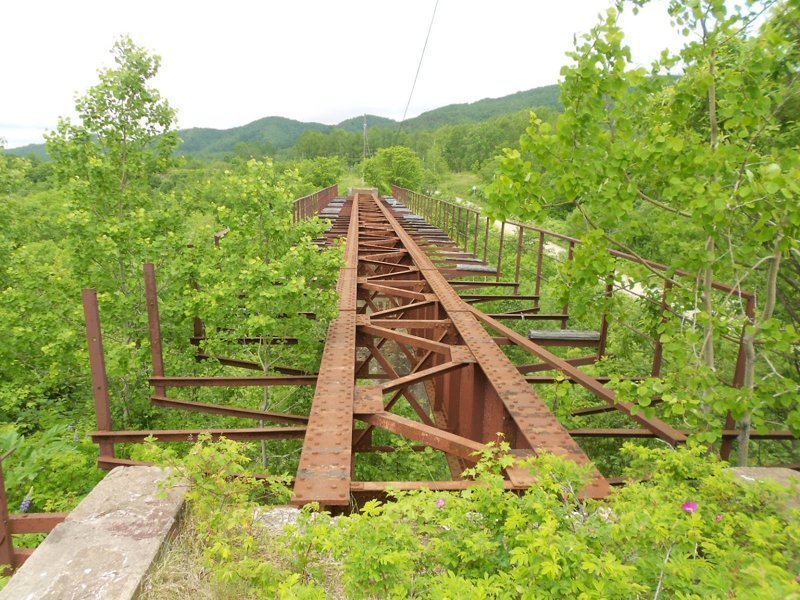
{"points": [[392, 291]]}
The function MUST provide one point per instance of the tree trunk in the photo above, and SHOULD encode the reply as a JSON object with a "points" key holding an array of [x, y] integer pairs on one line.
{"points": [[749, 342]]}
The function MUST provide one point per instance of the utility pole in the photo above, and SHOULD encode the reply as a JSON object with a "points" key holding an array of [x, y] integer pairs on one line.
{"points": [[365, 149]]}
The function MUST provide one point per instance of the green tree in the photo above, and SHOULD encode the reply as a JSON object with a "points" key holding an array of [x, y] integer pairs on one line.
{"points": [[395, 165], [697, 167], [320, 172], [109, 164]]}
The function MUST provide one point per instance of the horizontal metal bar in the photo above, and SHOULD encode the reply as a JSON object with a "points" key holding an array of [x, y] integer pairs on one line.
{"points": [[230, 411], [493, 297], [411, 340], [381, 487], [605, 407], [231, 362], [646, 433], [392, 291], [526, 317], [35, 522], [255, 381], [109, 462], [411, 323], [190, 435]]}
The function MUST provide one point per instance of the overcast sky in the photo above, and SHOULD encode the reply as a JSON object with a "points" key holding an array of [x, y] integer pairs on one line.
{"points": [[227, 63]]}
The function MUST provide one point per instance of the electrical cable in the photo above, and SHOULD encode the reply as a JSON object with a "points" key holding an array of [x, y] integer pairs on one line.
{"points": [[419, 66]]}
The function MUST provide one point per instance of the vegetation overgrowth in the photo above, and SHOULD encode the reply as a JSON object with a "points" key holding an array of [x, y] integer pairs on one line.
{"points": [[693, 163], [685, 529]]}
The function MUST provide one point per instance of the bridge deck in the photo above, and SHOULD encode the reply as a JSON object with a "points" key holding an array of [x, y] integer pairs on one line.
{"points": [[408, 335], [392, 290]]}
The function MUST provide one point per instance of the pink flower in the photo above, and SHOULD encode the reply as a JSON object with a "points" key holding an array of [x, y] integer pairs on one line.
{"points": [[690, 507], [440, 503], [718, 518]]}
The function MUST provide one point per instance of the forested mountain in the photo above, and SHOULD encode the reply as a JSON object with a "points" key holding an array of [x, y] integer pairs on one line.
{"points": [[487, 108], [356, 124], [269, 133], [273, 134]]}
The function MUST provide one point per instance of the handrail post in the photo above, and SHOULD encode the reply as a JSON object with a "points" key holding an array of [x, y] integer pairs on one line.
{"points": [[565, 309], [6, 543], [154, 324], [520, 235], [486, 240], [601, 346], [539, 261], [475, 241], [97, 362], [500, 251], [658, 353]]}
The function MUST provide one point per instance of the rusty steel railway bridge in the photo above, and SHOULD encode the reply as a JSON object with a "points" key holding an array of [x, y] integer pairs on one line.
{"points": [[409, 328]]}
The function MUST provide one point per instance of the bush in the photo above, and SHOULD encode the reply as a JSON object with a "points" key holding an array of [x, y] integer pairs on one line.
{"points": [[395, 165], [687, 529]]}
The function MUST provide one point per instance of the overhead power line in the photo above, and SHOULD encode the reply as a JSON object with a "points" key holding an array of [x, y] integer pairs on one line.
{"points": [[419, 65]]}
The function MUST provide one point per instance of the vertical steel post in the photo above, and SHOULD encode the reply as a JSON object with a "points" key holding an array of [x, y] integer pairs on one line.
{"points": [[486, 240], [539, 259], [475, 241], [658, 354], [500, 252], [520, 234], [466, 230], [97, 362], [154, 323], [601, 346], [565, 309], [6, 543]]}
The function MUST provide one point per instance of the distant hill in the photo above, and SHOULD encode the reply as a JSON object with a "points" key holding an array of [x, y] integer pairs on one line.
{"points": [[357, 123], [37, 150], [487, 108], [279, 133]]}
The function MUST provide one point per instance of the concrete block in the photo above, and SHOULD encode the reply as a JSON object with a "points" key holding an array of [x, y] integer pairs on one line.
{"points": [[786, 477], [108, 543]]}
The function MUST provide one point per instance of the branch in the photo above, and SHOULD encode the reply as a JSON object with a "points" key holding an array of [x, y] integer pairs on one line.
{"points": [[655, 202], [638, 258]]}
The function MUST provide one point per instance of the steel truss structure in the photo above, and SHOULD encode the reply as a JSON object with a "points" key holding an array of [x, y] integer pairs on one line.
{"points": [[409, 334]]}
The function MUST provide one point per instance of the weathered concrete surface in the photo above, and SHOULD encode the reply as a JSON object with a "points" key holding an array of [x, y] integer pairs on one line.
{"points": [[278, 517], [785, 477], [107, 544]]}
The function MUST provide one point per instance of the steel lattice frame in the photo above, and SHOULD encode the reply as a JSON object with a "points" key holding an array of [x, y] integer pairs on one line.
{"points": [[391, 290], [407, 329]]}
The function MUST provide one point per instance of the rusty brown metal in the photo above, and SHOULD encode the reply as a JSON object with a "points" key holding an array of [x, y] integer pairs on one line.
{"points": [[324, 472], [36, 522], [97, 362], [6, 544], [191, 435], [154, 323], [407, 329], [555, 247], [260, 381], [230, 411]]}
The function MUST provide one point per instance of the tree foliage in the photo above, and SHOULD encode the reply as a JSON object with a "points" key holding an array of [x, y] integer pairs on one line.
{"points": [[394, 165], [695, 169], [120, 198]]}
